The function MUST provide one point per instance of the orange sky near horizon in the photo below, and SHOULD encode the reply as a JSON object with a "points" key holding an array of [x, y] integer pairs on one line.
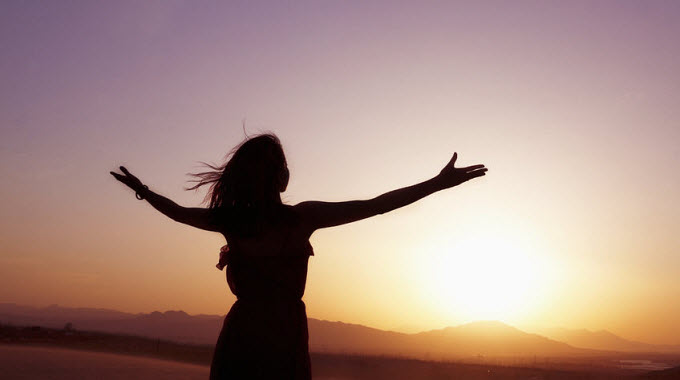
{"points": [[573, 107]]}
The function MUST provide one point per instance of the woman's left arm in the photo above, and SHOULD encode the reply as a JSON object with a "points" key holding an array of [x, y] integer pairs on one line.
{"points": [[194, 216]]}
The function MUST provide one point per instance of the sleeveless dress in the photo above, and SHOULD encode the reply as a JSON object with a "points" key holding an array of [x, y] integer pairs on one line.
{"points": [[264, 335]]}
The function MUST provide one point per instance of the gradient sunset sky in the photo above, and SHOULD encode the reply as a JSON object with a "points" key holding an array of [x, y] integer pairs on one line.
{"points": [[574, 107]]}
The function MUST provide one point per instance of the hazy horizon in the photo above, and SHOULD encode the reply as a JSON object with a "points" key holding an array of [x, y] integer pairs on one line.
{"points": [[540, 330], [466, 341], [573, 106]]}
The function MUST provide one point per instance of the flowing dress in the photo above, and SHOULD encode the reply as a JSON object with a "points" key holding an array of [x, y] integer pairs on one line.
{"points": [[264, 335]]}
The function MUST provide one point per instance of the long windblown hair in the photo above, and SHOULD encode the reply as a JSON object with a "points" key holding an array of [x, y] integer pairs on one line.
{"points": [[249, 183]]}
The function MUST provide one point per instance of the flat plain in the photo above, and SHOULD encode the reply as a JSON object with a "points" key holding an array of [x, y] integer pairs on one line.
{"points": [[30, 362]]}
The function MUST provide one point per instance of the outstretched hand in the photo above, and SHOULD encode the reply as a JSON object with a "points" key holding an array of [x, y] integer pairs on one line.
{"points": [[452, 176], [128, 179]]}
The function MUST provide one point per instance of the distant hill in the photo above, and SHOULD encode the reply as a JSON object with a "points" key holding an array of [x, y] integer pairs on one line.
{"points": [[171, 325], [492, 338], [604, 340], [486, 339]]}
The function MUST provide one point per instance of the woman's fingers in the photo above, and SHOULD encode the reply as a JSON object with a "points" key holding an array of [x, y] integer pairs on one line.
{"points": [[127, 180], [471, 168], [127, 173], [476, 173], [119, 177]]}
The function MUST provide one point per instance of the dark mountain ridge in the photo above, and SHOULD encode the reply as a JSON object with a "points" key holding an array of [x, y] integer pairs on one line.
{"points": [[477, 339]]}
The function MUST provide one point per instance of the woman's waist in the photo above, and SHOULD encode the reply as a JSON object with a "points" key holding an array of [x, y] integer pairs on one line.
{"points": [[267, 289], [269, 298], [281, 309]]}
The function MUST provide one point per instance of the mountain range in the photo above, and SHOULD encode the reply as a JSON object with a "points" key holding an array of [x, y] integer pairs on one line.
{"points": [[476, 339], [604, 340]]}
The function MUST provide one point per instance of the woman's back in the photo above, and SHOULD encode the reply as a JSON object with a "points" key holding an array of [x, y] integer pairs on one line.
{"points": [[265, 332], [270, 264]]}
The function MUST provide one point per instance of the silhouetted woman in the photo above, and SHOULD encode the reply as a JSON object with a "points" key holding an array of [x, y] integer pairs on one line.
{"points": [[264, 335]]}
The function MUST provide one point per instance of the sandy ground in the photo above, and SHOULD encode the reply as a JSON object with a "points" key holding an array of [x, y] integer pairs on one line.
{"points": [[26, 362], [20, 362]]}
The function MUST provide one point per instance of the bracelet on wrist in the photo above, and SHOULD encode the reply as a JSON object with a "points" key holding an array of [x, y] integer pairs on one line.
{"points": [[140, 196]]}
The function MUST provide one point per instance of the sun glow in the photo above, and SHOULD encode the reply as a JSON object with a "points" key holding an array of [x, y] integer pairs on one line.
{"points": [[485, 277]]}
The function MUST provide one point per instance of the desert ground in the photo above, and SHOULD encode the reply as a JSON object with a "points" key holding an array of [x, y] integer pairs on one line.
{"points": [[18, 362], [29, 362]]}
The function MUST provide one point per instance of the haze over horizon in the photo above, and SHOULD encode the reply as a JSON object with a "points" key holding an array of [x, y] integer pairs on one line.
{"points": [[486, 338], [573, 106]]}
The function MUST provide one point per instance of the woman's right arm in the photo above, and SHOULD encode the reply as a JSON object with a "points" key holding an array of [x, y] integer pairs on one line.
{"points": [[193, 216], [318, 214]]}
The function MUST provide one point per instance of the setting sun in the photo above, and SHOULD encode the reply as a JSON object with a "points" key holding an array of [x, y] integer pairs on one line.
{"points": [[485, 277]]}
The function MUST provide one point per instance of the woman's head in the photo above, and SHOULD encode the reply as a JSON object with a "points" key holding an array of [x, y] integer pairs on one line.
{"points": [[253, 177]]}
